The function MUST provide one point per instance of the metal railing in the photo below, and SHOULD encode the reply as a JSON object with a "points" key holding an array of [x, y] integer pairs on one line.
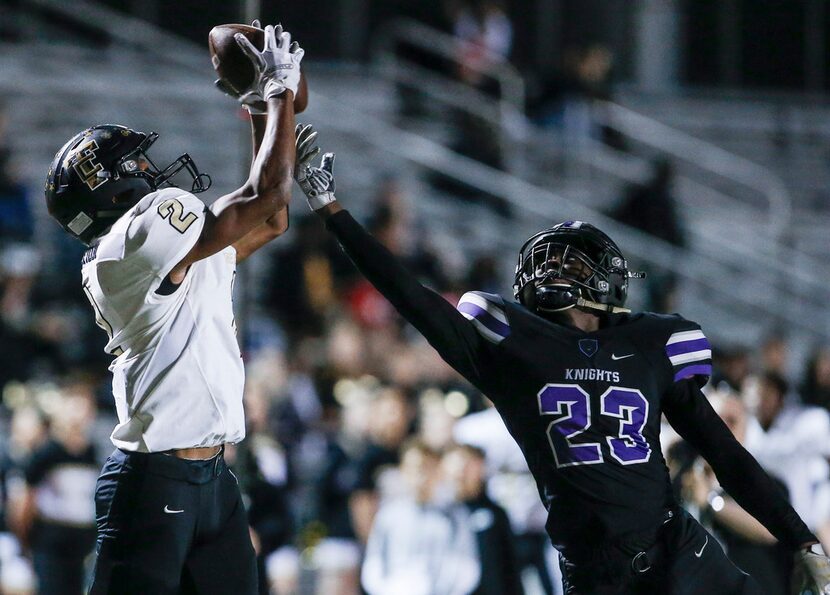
{"points": [[507, 112], [729, 285], [503, 112], [133, 32], [706, 156], [495, 66], [772, 258], [809, 274], [722, 278]]}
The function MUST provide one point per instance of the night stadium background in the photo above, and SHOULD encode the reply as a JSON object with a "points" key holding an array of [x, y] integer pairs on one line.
{"points": [[695, 133]]}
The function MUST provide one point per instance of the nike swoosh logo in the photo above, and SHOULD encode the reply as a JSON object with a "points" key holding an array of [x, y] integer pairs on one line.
{"points": [[700, 553], [168, 511], [619, 357]]}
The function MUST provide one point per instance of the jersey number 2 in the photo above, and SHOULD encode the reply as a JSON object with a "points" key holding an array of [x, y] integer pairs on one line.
{"points": [[572, 408], [173, 211]]}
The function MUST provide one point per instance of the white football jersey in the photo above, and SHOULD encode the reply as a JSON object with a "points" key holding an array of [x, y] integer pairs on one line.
{"points": [[178, 374]]}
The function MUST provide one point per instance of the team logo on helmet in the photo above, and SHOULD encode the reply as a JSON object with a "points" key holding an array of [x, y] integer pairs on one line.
{"points": [[82, 158]]}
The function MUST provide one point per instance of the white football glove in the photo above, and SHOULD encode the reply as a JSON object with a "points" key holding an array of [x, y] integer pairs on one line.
{"points": [[276, 67], [317, 183], [811, 575]]}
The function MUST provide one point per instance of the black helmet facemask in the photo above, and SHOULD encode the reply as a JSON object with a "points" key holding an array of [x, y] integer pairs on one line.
{"points": [[130, 165], [572, 265]]}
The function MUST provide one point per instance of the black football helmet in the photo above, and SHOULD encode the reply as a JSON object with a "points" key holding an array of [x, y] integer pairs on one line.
{"points": [[101, 172], [572, 264]]}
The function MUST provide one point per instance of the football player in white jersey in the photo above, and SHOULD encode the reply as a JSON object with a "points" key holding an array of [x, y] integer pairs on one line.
{"points": [[159, 275]]}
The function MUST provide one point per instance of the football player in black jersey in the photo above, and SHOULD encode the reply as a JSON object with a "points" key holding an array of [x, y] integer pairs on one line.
{"points": [[581, 384]]}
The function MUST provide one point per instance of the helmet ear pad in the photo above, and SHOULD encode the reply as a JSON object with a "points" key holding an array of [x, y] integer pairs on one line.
{"points": [[132, 194], [618, 282]]}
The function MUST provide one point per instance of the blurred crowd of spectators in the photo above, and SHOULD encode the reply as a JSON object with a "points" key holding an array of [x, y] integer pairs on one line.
{"points": [[563, 99], [787, 428], [367, 458], [368, 461]]}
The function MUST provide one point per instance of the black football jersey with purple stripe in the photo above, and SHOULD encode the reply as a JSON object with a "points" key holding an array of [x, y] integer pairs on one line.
{"points": [[585, 408]]}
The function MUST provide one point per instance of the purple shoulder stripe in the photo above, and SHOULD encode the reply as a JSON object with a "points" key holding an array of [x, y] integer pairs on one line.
{"points": [[481, 315], [687, 346]]}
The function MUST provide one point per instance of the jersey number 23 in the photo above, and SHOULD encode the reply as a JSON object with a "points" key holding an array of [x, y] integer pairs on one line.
{"points": [[571, 407]]}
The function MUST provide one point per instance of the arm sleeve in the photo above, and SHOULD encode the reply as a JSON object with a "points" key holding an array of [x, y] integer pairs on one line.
{"points": [[41, 462], [689, 412], [451, 332], [160, 236], [689, 353]]}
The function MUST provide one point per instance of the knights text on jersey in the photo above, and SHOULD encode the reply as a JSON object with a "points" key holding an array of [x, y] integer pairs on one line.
{"points": [[585, 409], [178, 374]]}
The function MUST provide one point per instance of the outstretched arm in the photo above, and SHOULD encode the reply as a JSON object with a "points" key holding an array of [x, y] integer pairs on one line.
{"points": [[699, 488], [436, 319], [446, 329], [689, 412], [268, 189], [276, 224]]}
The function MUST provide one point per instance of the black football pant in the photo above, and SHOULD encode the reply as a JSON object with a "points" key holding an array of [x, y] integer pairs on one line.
{"points": [[690, 562], [168, 526]]}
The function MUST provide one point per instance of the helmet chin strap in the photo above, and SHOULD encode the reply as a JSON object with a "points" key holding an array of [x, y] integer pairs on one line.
{"points": [[558, 298], [583, 303]]}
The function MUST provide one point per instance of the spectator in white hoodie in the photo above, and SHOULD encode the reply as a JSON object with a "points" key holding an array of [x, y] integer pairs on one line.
{"points": [[419, 546], [792, 441]]}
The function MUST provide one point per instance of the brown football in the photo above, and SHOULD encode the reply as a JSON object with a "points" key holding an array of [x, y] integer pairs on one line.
{"points": [[233, 65]]}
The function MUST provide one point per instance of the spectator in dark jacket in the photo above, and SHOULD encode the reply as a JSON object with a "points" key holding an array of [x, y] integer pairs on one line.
{"points": [[748, 543], [55, 514], [17, 222], [465, 467], [388, 429], [816, 387], [651, 207]]}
